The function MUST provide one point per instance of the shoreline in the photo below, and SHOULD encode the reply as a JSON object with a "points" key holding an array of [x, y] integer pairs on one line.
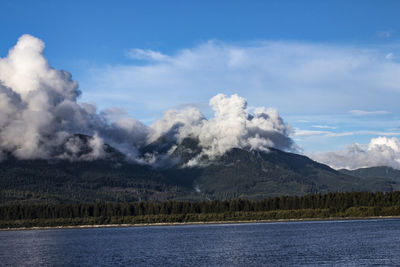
{"points": [[194, 223]]}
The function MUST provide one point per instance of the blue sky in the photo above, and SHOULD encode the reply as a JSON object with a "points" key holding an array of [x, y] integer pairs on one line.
{"points": [[331, 68]]}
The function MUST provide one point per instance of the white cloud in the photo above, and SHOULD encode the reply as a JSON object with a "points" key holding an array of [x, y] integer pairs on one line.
{"points": [[232, 126], [325, 133], [358, 112], [323, 127], [40, 116], [315, 77], [176, 123], [39, 109], [39, 112], [385, 34], [147, 55], [389, 56], [381, 151], [299, 132]]}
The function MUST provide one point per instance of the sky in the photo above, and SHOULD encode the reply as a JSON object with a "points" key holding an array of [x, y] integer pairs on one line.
{"points": [[331, 68]]}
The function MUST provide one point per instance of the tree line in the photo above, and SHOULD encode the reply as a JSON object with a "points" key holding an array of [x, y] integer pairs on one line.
{"points": [[331, 204]]}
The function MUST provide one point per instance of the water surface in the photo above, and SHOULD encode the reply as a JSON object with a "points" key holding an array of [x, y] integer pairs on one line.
{"points": [[348, 243]]}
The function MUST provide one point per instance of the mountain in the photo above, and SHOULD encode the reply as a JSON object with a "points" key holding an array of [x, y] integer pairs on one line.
{"points": [[254, 174], [380, 172], [112, 178], [40, 181], [237, 173]]}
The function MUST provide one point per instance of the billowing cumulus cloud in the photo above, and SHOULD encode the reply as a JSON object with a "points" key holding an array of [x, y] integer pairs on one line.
{"points": [[232, 126], [41, 118], [40, 112], [381, 151], [176, 124]]}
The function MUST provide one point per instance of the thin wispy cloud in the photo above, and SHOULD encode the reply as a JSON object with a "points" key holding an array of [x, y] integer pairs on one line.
{"points": [[385, 34], [316, 75], [323, 127], [299, 132], [389, 56], [311, 84], [302, 132], [359, 112], [146, 54]]}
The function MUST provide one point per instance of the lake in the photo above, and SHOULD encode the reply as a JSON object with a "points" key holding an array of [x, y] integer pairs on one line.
{"points": [[348, 243]]}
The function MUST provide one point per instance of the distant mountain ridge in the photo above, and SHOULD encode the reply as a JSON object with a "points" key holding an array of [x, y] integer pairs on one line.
{"points": [[238, 173], [254, 174], [379, 172]]}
